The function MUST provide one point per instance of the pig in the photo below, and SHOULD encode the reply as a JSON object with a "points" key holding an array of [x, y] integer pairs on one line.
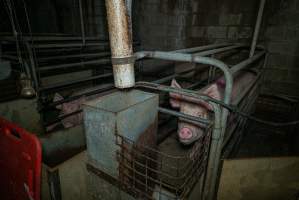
{"points": [[73, 106], [70, 107], [189, 133]]}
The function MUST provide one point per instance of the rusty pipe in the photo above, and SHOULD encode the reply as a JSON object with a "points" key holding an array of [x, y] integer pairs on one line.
{"points": [[120, 43]]}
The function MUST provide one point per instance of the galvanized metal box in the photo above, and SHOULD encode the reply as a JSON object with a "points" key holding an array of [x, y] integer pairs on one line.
{"points": [[132, 114]]}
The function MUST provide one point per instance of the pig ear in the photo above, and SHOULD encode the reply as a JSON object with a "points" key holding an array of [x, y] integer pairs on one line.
{"points": [[175, 84], [174, 98], [58, 97], [213, 92]]}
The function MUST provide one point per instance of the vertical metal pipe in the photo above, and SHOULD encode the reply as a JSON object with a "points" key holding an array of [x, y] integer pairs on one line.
{"points": [[257, 27], [120, 43], [129, 4], [82, 22], [129, 7]]}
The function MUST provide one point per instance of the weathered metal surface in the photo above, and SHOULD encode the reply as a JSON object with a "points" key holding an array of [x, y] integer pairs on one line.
{"points": [[120, 42], [128, 114]]}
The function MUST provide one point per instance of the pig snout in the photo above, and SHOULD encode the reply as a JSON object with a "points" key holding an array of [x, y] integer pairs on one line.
{"points": [[188, 133], [185, 133]]}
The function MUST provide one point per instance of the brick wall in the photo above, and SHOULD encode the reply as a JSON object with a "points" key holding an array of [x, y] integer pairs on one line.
{"points": [[282, 39]]}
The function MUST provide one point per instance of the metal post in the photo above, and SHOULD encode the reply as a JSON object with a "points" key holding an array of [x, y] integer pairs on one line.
{"points": [[257, 28], [120, 43], [82, 22]]}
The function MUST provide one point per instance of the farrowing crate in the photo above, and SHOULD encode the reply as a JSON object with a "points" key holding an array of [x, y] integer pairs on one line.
{"points": [[153, 173]]}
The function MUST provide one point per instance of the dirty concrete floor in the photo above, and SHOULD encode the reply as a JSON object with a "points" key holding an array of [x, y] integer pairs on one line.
{"points": [[260, 179], [265, 165]]}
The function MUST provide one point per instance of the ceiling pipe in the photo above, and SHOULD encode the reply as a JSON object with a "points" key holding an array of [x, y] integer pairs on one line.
{"points": [[120, 43], [257, 27]]}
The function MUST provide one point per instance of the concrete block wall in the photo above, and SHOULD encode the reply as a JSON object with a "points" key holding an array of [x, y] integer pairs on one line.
{"points": [[281, 35], [96, 18], [173, 24], [45, 16]]}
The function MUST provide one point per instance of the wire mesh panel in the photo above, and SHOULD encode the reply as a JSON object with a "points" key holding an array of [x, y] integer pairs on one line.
{"points": [[146, 171]]}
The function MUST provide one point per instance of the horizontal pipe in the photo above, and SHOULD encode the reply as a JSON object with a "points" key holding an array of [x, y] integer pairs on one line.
{"points": [[69, 65], [201, 48], [168, 78], [200, 121], [204, 53], [89, 93], [196, 59], [51, 38], [219, 50], [81, 55], [63, 84], [64, 45], [246, 62]]}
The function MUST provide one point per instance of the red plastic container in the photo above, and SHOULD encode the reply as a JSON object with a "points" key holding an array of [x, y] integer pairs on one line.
{"points": [[20, 163]]}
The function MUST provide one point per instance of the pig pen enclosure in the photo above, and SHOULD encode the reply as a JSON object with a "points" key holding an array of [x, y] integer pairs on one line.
{"points": [[167, 169]]}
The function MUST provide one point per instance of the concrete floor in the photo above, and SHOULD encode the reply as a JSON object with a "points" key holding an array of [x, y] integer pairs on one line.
{"points": [[262, 168], [260, 179]]}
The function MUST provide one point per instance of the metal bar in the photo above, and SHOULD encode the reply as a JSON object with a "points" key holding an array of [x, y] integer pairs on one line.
{"points": [[201, 48], [230, 134], [50, 38], [212, 176], [93, 92], [64, 45], [201, 121], [33, 66], [257, 28], [120, 43], [246, 62], [168, 78], [219, 50], [82, 23], [58, 85], [196, 59], [69, 65], [83, 55]]}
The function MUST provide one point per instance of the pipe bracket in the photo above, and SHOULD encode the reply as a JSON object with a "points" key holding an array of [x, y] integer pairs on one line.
{"points": [[123, 60]]}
